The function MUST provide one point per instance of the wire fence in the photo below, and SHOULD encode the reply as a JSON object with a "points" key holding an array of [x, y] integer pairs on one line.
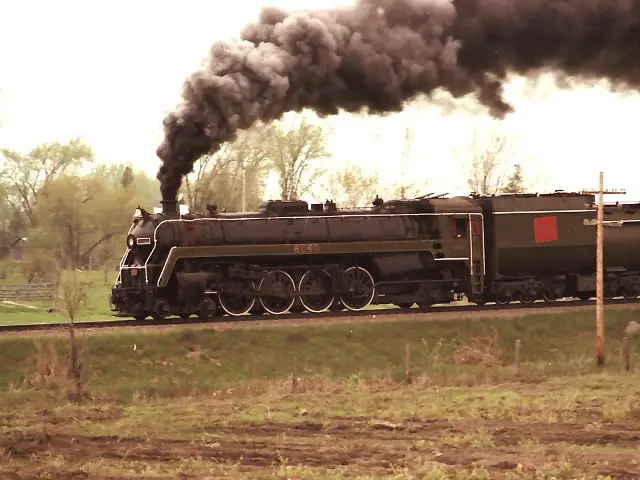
{"points": [[33, 291]]}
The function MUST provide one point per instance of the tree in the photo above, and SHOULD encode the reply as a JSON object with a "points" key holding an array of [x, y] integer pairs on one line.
{"points": [[405, 186], [127, 177], [218, 177], [0, 117], [12, 222], [294, 153], [77, 214], [486, 169], [25, 174], [515, 183], [351, 187], [487, 158]]}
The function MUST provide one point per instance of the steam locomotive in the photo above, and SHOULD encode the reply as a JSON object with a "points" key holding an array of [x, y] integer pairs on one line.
{"points": [[290, 256]]}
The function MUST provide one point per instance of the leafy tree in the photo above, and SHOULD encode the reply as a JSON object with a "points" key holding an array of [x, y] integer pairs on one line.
{"points": [[25, 174], [351, 187], [77, 214], [294, 153], [126, 179], [11, 222], [515, 183], [39, 266]]}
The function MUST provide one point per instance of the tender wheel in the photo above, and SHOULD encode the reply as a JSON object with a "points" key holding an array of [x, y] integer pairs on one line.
{"points": [[140, 316], [548, 297], [277, 292], [161, 309], [361, 288], [235, 301], [628, 293], [315, 291]]}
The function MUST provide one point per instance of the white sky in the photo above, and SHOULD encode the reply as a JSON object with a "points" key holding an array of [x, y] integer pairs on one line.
{"points": [[109, 71]]}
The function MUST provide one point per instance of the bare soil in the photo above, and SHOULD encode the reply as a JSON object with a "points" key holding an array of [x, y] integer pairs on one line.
{"points": [[357, 443]]}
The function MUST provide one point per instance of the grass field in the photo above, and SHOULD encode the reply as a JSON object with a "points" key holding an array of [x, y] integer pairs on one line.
{"points": [[26, 312], [205, 404]]}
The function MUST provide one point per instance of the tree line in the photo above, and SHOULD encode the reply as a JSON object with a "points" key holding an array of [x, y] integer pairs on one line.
{"points": [[68, 211]]}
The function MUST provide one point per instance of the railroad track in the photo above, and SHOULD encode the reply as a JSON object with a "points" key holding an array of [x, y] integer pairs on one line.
{"points": [[266, 319]]}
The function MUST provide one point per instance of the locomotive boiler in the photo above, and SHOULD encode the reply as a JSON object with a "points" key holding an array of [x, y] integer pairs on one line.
{"points": [[290, 256]]}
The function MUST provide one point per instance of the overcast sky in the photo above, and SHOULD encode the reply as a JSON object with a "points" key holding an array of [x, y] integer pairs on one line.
{"points": [[109, 71]]}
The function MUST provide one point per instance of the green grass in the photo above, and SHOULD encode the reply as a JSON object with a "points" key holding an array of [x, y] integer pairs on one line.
{"points": [[27, 312], [196, 403], [465, 352]]}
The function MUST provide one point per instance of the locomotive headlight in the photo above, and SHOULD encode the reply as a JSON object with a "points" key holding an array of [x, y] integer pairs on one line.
{"points": [[131, 241]]}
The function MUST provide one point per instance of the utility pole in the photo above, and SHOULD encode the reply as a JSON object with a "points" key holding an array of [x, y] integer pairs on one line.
{"points": [[244, 187], [599, 276], [600, 268]]}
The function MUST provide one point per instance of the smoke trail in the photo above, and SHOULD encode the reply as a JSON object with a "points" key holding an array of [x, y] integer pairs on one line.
{"points": [[378, 54]]}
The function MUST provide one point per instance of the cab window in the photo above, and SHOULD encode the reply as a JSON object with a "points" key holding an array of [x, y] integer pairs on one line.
{"points": [[458, 227]]}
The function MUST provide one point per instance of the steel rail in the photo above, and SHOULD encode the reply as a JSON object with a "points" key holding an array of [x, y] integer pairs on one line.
{"points": [[221, 320]]}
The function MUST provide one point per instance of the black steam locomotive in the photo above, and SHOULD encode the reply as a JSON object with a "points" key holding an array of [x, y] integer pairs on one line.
{"points": [[292, 257]]}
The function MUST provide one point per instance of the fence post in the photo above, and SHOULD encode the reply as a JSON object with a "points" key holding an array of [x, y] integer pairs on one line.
{"points": [[294, 376], [407, 363], [517, 358], [626, 354]]}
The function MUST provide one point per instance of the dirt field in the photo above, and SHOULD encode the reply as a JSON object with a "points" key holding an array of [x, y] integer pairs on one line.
{"points": [[353, 444], [585, 428], [187, 403]]}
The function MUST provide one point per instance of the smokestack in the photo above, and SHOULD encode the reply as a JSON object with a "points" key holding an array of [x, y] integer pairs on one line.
{"points": [[376, 55], [169, 208]]}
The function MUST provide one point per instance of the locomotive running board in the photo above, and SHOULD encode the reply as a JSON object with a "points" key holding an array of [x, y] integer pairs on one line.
{"points": [[225, 251]]}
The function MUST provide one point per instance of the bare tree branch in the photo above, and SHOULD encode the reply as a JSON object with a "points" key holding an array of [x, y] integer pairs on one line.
{"points": [[487, 160], [295, 153]]}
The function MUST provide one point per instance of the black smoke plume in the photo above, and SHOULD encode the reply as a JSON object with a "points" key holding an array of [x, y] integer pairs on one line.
{"points": [[377, 54]]}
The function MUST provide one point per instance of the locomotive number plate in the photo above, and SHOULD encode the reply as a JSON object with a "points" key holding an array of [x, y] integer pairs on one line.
{"points": [[306, 248]]}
